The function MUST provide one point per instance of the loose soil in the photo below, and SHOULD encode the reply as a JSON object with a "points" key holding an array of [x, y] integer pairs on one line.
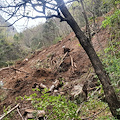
{"points": [[47, 65]]}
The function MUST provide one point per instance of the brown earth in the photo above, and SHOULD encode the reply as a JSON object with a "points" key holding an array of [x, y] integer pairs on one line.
{"points": [[46, 66]]}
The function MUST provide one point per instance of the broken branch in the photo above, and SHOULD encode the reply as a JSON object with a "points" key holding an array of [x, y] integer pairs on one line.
{"points": [[9, 111], [71, 60], [20, 114], [62, 59]]}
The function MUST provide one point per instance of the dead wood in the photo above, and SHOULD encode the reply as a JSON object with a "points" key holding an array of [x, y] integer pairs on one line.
{"points": [[20, 114], [72, 64], [6, 68], [5, 114], [62, 59], [19, 70]]}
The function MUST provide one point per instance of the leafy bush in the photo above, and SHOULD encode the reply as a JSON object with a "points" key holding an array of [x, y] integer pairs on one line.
{"points": [[112, 67], [110, 20], [56, 107], [111, 59], [57, 39]]}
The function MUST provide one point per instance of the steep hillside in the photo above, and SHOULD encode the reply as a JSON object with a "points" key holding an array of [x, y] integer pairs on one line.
{"points": [[65, 61]]}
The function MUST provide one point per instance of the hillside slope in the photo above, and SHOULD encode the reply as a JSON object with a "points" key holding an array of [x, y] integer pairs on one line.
{"points": [[65, 61]]}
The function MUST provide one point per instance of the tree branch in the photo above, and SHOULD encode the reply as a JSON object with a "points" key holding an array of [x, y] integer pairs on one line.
{"points": [[12, 23], [47, 17], [9, 111]]}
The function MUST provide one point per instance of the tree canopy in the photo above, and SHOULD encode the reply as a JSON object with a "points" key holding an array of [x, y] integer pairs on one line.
{"points": [[31, 9]]}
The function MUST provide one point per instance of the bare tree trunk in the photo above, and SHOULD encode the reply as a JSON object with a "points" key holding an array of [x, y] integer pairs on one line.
{"points": [[109, 92], [86, 20]]}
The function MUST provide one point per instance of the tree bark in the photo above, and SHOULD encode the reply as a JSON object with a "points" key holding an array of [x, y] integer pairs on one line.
{"points": [[86, 20], [110, 96]]}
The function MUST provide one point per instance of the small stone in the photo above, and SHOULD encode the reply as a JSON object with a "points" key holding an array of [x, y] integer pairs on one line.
{"points": [[62, 93], [56, 83], [78, 94], [55, 91], [29, 114], [52, 88], [43, 86], [29, 110], [40, 113]]}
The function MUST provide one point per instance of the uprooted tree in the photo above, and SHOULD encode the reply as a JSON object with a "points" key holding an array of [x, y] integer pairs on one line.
{"points": [[23, 9]]}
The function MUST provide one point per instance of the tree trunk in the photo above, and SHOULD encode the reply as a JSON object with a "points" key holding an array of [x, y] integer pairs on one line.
{"points": [[86, 20], [109, 92]]}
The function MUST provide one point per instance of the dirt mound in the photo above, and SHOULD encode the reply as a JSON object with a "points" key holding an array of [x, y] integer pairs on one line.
{"points": [[66, 61]]}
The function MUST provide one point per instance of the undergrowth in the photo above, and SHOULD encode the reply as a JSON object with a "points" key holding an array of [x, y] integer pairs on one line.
{"points": [[56, 107], [96, 108], [111, 58], [60, 108]]}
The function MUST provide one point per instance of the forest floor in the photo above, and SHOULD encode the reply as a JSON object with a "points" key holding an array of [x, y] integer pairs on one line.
{"points": [[66, 61]]}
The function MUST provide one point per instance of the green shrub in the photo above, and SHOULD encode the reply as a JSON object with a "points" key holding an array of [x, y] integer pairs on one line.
{"points": [[56, 107], [57, 39], [110, 20]]}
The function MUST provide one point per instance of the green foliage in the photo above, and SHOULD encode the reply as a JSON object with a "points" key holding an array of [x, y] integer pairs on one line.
{"points": [[9, 116], [112, 3], [110, 20], [57, 39], [79, 44], [56, 107], [9, 51], [93, 106], [44, 34], [112, 66], [106, 118], [111, 59]]}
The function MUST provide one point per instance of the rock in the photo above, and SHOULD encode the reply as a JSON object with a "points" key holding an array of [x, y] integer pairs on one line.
{"points": [[35, 85], [31, 114], [52, 88], [56, 83], [66, 84], [39, 86], [41, 113], [76, 90], [62, 93], [78, 94], [43, 86], [29, 110], [1, 84], [63, 46], [55, 91]]}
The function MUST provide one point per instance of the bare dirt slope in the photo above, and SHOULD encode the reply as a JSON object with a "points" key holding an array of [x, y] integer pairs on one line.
{"points": [[71, 65]]}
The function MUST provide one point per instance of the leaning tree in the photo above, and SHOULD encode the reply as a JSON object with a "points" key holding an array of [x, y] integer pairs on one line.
{"points": [[23, 8]]}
